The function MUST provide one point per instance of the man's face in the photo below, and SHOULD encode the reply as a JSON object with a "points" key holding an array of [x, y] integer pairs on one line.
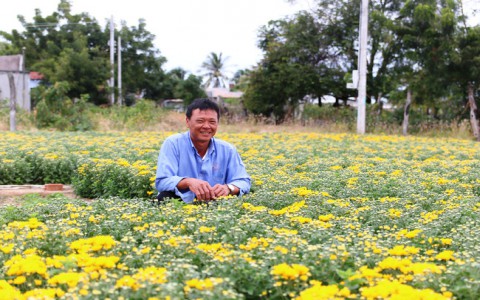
{"points": [[202, 124]]}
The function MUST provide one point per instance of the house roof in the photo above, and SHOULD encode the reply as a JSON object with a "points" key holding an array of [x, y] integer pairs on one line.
{"points": [[36, 76], [11, 63], [224, 93]]}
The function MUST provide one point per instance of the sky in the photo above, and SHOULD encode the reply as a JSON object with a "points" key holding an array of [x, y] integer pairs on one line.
{"points": [[186, 31]]}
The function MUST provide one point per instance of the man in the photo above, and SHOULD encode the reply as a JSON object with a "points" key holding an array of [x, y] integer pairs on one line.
{"points": [[194, 164]]}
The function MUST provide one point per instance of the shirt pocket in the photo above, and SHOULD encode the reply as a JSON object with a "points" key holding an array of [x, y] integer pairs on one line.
{"points": [[218, 173]]}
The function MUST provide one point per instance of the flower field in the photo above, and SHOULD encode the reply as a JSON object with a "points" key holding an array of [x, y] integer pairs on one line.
{"points": [[330, 216]]}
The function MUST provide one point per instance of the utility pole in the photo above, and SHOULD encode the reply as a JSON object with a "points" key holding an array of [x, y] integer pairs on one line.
{"points": [[362, 68], [119, 63], [24, 85], [13, 101], [112, 62]]}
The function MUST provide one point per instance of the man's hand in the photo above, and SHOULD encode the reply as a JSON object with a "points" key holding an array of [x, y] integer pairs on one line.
{"points": [[201, 189], [221, 190]]}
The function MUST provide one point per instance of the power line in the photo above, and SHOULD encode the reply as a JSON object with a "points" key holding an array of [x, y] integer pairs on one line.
{"points": [[57, 24]]}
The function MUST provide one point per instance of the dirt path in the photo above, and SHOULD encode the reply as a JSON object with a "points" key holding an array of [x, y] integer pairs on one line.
{"points": [[12, 194]]}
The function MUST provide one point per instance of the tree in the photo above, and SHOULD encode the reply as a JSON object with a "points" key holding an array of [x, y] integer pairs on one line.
{"points": [[142, 63], [322, 44], [214, 67], [426, 32], [297, 63], [84, 72], [241, 79], [181, 85], [64, 47], [189, 89], [73, 48], [465, 68]]}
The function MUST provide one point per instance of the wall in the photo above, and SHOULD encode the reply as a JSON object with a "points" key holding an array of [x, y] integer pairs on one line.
{"points": [[23, 94]]}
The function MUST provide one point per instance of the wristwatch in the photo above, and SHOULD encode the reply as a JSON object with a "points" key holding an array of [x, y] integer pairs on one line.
{"points": [[231, 187]]}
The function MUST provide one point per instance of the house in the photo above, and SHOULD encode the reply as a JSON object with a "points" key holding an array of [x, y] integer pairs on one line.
{"points": [[174, 104], [12, 73], [219, 94], [35, 79], [230, 102]]}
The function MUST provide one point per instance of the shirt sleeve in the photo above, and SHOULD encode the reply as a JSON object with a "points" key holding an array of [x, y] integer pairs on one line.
{"points": [[238, 175], [167, 167]]}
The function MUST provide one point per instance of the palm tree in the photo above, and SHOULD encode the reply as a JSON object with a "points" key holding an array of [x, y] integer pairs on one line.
{"points": [[241, 79], [214, 66]]}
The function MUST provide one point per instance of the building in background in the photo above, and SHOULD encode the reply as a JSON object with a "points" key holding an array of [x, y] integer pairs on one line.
{"points": [[14, 65]]}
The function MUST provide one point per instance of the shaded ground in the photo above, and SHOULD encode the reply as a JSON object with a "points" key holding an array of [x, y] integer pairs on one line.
{"points": [[12, 194]]}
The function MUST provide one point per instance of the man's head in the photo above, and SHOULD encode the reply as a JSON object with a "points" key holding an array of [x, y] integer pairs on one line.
{"points": [[203, 104], [202, 120]]}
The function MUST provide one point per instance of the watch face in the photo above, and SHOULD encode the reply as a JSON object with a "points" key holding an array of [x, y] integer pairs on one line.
{"points": [[231, 188]]}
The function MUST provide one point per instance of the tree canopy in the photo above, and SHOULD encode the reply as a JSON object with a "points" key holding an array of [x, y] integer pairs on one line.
{"points": [[424, 47], [420, 44], [214, 68], [74, 48]]}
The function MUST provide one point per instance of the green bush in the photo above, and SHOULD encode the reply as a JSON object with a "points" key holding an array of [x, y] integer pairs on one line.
{"points": [[386, 121], [56, 110], [98, 178], [23, 118], [138, 117], [15, 171], [37, 169]]}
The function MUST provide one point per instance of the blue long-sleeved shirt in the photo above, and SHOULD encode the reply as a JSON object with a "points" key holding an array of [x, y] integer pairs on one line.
{"points": [[179, 159]]}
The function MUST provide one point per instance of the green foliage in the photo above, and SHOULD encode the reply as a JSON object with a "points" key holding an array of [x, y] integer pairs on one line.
{"points": [[294, 66], [104, 178], [35, 168], [328, 113], [214, 67], [70, 52], [141, 62], [264, 95], [189, 89], [57, 110], [24, 119], [138, 117], [466, 64], [34, 206], [12, 213], [84, 69], [419, 45], [348, 215], [388, 121], [16, 171], [74, 48], [57, 156], [177, 85]]}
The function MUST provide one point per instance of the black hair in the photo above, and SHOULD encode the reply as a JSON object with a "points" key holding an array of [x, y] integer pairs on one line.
{"points": [[202, 104]]}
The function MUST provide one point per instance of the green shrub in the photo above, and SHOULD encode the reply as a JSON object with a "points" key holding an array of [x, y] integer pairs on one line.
{"points": [[56, 110], [98, 178], [138, 117], [23, 119], [37, 169]]}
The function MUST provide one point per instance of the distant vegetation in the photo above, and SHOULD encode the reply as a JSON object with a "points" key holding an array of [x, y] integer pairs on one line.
{"points": [[145, 115], [423, 58]]}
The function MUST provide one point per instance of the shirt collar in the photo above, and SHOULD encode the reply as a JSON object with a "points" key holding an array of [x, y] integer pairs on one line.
{"points": [[211, 146]]}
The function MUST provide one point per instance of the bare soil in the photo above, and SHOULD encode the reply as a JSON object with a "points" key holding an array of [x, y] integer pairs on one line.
{"points": [[13, 194]]}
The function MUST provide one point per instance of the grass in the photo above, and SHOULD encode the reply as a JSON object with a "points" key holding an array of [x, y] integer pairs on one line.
{"points": [[146, 116]]}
